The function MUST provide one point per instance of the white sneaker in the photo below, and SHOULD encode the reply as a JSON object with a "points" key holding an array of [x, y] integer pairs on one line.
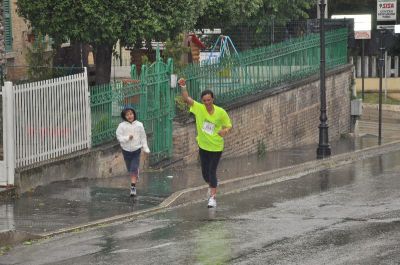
{"points": [[133, 191], [212, 203]]}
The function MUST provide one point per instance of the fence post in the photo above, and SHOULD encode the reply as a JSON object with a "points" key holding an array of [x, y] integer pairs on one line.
{"points": [[88, 109], [358, 66], [388, 68], [8, 131], [373, 66], [366, 67]]}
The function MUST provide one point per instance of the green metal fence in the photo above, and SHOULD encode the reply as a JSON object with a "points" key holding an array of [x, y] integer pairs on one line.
{"points": [[149, 95], [106, 102], [248, 73], [263, 68], [159, 110]]}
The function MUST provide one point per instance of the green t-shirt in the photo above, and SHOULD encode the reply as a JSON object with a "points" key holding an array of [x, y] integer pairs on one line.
{"points": [[208, 126]]}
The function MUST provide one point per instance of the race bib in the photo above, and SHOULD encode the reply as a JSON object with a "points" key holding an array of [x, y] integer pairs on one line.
{"points": [[208, 127]]}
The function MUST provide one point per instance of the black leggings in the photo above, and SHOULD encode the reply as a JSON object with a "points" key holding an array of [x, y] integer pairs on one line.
{"points": [[209, 163]]}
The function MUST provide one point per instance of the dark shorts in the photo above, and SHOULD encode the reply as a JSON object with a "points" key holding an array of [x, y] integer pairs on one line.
{"points": [[132, 160]]}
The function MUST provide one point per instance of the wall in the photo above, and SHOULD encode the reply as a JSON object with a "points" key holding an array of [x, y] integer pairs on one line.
{"points": [[17, 58], [284, 117], [106, 161]]}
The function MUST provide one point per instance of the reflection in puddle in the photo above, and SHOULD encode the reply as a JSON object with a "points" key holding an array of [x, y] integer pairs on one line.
{"points": [[7, 217], [212, 244]]}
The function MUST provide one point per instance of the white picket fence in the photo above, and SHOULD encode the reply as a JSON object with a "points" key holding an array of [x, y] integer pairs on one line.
{"points": [[52, 118], [371, 66]]}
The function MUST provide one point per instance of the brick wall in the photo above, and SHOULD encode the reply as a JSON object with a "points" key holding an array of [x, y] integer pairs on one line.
{"points": [[17, 57], [20, 30], [283, 117]]}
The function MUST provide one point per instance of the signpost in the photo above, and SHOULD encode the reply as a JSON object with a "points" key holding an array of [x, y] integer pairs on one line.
{"points": [[362, 31], [385, 12]]}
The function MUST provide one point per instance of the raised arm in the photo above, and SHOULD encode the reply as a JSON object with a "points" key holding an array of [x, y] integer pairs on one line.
{"points": [[184, 92]]}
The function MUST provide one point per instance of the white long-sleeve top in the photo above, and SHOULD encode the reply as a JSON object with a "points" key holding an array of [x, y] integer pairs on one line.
{"points": [[139, 140]]}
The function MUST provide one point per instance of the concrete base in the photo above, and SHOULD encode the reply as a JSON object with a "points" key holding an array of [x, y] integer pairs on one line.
{"points": [[7, 193], [196, 194], [102, 162], [9, 238]]}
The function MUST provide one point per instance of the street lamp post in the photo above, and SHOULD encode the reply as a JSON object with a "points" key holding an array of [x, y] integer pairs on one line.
{"points": [[381, 73], [323, 149]]}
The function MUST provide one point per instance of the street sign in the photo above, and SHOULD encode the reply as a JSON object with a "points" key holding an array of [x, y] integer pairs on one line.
{"points": [[397, 29], [362, 35], [362, 25], [386, 10], [387, 27]]}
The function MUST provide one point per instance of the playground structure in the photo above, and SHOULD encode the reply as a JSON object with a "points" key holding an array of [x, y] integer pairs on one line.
{"points": [[232, 75]]}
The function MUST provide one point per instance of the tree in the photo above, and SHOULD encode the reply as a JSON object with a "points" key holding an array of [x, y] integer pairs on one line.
{"points": [[101, 23], [352, 7], [221, 12], [94, 22], [249, 20], [39, 60]]}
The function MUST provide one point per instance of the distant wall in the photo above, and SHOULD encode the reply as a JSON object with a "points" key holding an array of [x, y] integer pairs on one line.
{"points": [[283, 117]]}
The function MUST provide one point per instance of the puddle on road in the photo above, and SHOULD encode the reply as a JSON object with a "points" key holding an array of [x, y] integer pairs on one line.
{"points": [[69, 203]]}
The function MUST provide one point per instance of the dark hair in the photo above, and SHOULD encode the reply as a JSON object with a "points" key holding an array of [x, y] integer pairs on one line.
{"points": [[207, 92], [125, 110]]}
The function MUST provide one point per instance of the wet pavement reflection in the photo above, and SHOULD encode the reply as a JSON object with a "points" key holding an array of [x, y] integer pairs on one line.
{"points": [[68, 203], [345, 215]]}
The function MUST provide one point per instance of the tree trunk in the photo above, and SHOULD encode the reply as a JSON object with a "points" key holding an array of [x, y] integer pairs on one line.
{"points": [[75, 55], [103, 54]]}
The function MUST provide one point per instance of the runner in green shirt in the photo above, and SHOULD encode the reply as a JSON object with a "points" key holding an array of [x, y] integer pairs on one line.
{"points": [[212, 124]]}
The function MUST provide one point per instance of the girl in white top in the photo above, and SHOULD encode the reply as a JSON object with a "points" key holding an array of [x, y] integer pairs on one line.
{"points": [[132, 138]]}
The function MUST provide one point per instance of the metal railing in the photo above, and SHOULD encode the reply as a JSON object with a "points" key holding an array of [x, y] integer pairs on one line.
{"points": [[51, 118], [149, 95], [263, 68], [106, 103]]}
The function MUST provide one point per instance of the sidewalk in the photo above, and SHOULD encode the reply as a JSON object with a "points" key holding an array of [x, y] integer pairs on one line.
{"points": [[74, 203], [368, 124]]}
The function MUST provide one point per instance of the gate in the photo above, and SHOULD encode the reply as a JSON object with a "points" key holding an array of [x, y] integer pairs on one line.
{"points": [[150, 95], [159, 109]]}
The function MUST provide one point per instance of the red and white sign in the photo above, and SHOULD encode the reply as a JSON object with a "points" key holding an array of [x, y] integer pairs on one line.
{"points": [[362, 35], [386, 10]]}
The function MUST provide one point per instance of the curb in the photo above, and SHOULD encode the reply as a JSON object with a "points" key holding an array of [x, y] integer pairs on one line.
{"points": [[195, 194], [278, 175], [8, 193]]}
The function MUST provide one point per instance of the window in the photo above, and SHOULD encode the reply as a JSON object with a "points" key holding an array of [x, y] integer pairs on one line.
{"points": [[8, 39]]}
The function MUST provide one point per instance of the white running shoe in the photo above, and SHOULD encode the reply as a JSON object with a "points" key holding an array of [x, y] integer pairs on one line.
{"points": [[212, 203], [133, 191]]}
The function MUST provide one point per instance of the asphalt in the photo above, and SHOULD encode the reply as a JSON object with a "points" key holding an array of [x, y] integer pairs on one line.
{"points": [[72, 205], [343, 215]]}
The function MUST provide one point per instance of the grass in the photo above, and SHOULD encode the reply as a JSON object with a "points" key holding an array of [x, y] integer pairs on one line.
{"points": [[373, 98]]}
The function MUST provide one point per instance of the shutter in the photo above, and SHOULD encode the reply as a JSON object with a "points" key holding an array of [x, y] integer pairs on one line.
{"points": [[8, 39]]}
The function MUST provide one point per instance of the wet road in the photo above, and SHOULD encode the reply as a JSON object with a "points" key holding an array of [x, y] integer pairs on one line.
{"points": [[348, 215], [70, 203]]}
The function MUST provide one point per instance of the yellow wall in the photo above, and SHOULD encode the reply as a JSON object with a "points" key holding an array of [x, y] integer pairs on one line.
{"points": [[372, 84]]}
